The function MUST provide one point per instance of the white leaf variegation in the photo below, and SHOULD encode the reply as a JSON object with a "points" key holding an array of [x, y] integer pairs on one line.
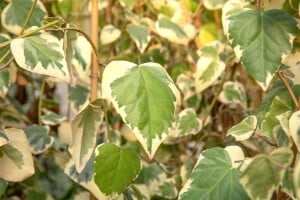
{"points": [[294, 125], [244, 129], [177, 33], [15, 157], [109, 34], [145, 96], [293, 70], [42, 54], [140, 35], [233, 92]]}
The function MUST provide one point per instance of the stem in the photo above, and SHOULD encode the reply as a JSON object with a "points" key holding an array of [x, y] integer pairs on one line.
{"points": [[217, 19], [41, 102], [7, 63], [5, 56], [288, 87], [94, 70], [105, 108], [28, 17]]}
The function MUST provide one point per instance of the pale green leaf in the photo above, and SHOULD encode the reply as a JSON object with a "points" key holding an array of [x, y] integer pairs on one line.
{"points": [[214, 4], [14, 15], [233, 92], [294, 125], [187, 123], [41, 54], [115, 168], [127, 3], [69, 47], [84, 131], [52, 119], [288, 184], [149, 107], [270, 120], [78, 95], [223, 181], [140, 35], [180, 34], [109, 34], [3, 138], [244, 129], [263, 175], [15, 157], [39, 138], [262, 42], [297, 179]]}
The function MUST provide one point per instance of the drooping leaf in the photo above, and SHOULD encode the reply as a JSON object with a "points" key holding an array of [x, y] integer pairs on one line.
{"points": [[41, 54], [262, 42], [115, 168], [233, 92], [180, 34], [214, 4], [149, 107], [187, 123], [14, 15], [84, 131], [244, 129], [109, 34], [39, 138], [78, 95], [263, 176], [294, 126], [223, 181], [140, 35], [15, 157], [52, 119], [69, 47]]}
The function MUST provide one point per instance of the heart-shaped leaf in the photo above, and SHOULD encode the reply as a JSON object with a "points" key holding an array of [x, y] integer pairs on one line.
{"points": [[145, 96], [260, 40], [115, 168], [244, 129], [140, 35]]}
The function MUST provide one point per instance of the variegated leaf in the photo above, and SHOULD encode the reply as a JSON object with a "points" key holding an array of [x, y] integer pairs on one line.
{"points": [[15, 157], [214, 4], [294, 127], [262, 42], [233, 92], [145, 97], [14, 15], [42, 54], [52, 119], [140, 35], [109, 34], [84, 130], [3, 138], [244, 129], [293, 70]]}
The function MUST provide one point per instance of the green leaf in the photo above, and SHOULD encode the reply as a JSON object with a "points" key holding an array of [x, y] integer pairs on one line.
{"points": [[52, 119], [233, 92], [187, 123], [3, 51], [84, 131], [41, 54], [270, 120], [15, 157], [39, 138], [262, 42], [265, 173], [14, 15], [115, 168], [3, 138], [180, 34], [214, 4], [5, 81], [148, 109], [3, 186], [109, 34], [78, 95], [294, 125], [223, 181], [140, 35], [244, 129]]}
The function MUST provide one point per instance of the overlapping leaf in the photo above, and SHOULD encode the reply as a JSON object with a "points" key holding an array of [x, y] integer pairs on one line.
{"points": [[223, 181], [15, 157], [145, 97], [41, 54], [84, 130], [115, 168], [265, 173], [262, 42]]}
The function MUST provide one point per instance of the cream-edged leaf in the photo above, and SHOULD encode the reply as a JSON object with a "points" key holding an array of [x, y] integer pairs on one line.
{"points": [[84, 132], [148, 109], [140, 35], [42, 54], [294, 126], [15, 157], [14, 15], [296, 180], [52, 119], [109, 34], [233, 93], [293, 63], [244, 129]]}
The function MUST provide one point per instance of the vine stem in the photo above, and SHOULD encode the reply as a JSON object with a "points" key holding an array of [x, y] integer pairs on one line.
{"points": [[28, 17], [40, 105], [288, 87]]}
